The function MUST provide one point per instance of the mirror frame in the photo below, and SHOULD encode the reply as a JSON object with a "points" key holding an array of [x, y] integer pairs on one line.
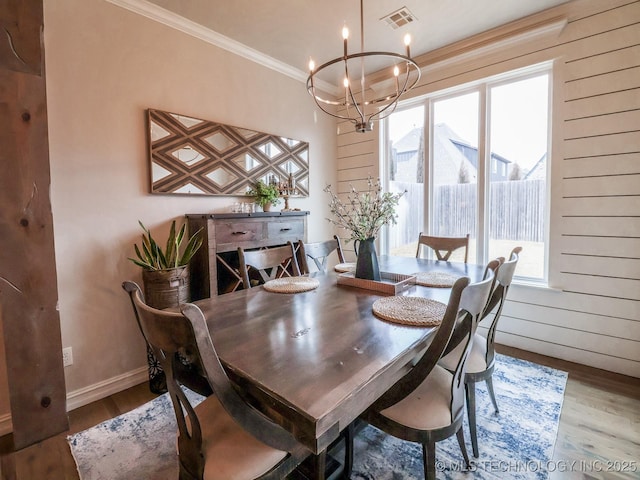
{"points": [[192, 156]]}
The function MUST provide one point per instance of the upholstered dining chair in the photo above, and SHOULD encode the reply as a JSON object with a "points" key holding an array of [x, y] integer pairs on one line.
{"points": [[427, 404], [223, 437], [482, 357], [318, 252], [270, 263], [443, 246]]}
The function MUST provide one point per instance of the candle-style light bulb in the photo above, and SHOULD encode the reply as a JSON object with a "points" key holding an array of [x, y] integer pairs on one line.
{"points": [[396, 73], [345, 35], [407, 42], [345, 82], [312, 65]]}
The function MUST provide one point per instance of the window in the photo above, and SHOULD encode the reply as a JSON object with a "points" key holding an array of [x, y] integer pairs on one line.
{"points": [[491, 185], [405, 171]]}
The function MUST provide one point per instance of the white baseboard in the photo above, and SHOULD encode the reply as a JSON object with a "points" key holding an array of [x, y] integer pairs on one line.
{"points": [[100, 390], [92, 393]]}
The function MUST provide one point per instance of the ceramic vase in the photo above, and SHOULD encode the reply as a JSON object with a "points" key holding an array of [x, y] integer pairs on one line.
{"points": [[367, 261]]}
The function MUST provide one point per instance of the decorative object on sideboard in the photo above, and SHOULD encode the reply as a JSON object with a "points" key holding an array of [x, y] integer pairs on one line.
{"points": [[265, 195], [359, 103], [201, 157], [287, 190], [362, 216]]}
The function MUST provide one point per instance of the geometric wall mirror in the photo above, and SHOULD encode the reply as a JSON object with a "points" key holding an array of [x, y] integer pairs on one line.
{"points": [[199, 157]]}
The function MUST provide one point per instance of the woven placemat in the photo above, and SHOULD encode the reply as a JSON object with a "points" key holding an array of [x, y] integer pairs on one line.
{"points": [[345, 267], [435, 279], [291, 284], [418, 311]]}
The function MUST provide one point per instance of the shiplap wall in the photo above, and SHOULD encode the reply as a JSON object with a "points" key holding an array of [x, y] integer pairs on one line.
{"points": [[591, 313]]}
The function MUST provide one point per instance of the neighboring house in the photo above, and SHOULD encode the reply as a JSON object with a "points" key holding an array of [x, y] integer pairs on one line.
{"points": [[499, 164], [539, 170], [450, 152], [404, 156]]}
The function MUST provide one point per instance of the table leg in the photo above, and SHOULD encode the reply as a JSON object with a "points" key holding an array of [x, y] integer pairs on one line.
{"points": [[319, 465]]}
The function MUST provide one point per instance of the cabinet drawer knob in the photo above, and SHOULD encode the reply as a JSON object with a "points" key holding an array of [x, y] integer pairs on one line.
{"points": [[285, 229], [239, 233]]}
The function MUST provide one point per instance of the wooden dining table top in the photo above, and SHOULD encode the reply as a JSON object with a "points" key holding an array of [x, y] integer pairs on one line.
{"points": [[314, 361]]}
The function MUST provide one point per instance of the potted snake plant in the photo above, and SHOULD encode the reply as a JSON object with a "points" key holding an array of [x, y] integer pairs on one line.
{"points": [[165, 275], [165, 272]]}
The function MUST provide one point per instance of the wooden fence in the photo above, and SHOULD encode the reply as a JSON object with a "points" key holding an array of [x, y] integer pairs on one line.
{"points": [[516, 211]]}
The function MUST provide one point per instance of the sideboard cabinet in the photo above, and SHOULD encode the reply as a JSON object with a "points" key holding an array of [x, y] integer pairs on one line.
{"points": [[213, 269]]}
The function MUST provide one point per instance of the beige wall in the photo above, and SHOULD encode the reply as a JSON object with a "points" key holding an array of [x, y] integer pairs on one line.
{"points": [[105, 66], [591, 315]]}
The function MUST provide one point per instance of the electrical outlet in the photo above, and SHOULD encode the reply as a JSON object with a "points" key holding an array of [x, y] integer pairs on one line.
{"points": [[67, 356]]}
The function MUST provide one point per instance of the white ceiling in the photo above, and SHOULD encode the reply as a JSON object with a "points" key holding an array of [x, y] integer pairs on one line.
{"points": [[292, 31]]}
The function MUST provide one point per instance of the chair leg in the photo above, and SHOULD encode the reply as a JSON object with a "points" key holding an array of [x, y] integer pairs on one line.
{"points": [[348, 452], [489, 381], [463, 447], [429, 459], [470, 390]]}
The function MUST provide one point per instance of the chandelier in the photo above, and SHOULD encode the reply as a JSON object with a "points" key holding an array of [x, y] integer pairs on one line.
{"points": [[364, 105]]}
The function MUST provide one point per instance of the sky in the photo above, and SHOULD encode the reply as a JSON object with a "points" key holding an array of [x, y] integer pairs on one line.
{"points": [[518, 119]]}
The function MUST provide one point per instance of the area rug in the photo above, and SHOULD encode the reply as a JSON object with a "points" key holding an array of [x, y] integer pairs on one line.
{"points": [[516, 444], [138, 445]]}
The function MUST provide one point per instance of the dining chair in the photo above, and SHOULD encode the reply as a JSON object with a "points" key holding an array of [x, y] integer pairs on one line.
{"points": [[427, 404], [443, 246], [318, 252], [222, 437], [481, 362], [188, 369], [269, 263]]}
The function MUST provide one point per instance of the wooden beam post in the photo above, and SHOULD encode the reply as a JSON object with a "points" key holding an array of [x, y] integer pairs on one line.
{"points": [[28, 281]]}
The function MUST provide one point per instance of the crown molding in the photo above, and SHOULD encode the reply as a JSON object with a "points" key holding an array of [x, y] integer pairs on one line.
{"points": [[484, 44], [184, 25]]}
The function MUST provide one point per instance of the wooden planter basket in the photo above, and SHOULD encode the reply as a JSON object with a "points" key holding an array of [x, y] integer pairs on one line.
{"points": [[166, 288]]}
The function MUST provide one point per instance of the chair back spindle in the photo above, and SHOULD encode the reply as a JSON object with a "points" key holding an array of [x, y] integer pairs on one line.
{"points": [[270, 263], [319, 253], [443, 247], [504, 278]]}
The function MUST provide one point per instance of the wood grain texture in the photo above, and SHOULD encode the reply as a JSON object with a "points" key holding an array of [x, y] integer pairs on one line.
{"points": [[334, 356], [51, 459], [594, 165], [599, 421], [28, 292], [20, 30], [224, 233]]}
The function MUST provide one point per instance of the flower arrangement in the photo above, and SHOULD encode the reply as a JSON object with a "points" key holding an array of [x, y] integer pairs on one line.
{"points": [[366, 212]]}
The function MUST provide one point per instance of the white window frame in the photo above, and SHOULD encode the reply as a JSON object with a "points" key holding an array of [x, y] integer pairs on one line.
{"points": [[483, 87]]}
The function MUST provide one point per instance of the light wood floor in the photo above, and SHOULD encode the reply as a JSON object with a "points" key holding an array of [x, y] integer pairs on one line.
{"points": [[599, 428]]}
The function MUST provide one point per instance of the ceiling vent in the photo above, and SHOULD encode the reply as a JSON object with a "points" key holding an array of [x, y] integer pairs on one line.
{"points": [[399, 18]]}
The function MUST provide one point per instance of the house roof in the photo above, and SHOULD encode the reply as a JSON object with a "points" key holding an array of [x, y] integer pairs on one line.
{"points": [[539, 170], [447, 156]]}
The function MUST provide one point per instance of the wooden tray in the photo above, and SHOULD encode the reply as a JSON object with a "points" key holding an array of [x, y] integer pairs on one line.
{"points": [[391, 283]]}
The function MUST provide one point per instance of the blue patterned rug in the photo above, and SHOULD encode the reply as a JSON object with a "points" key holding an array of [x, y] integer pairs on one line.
{"points": [[515, 444]]}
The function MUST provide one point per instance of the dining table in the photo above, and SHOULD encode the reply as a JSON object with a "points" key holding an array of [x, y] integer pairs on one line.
{"points": [[314, 361]]}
